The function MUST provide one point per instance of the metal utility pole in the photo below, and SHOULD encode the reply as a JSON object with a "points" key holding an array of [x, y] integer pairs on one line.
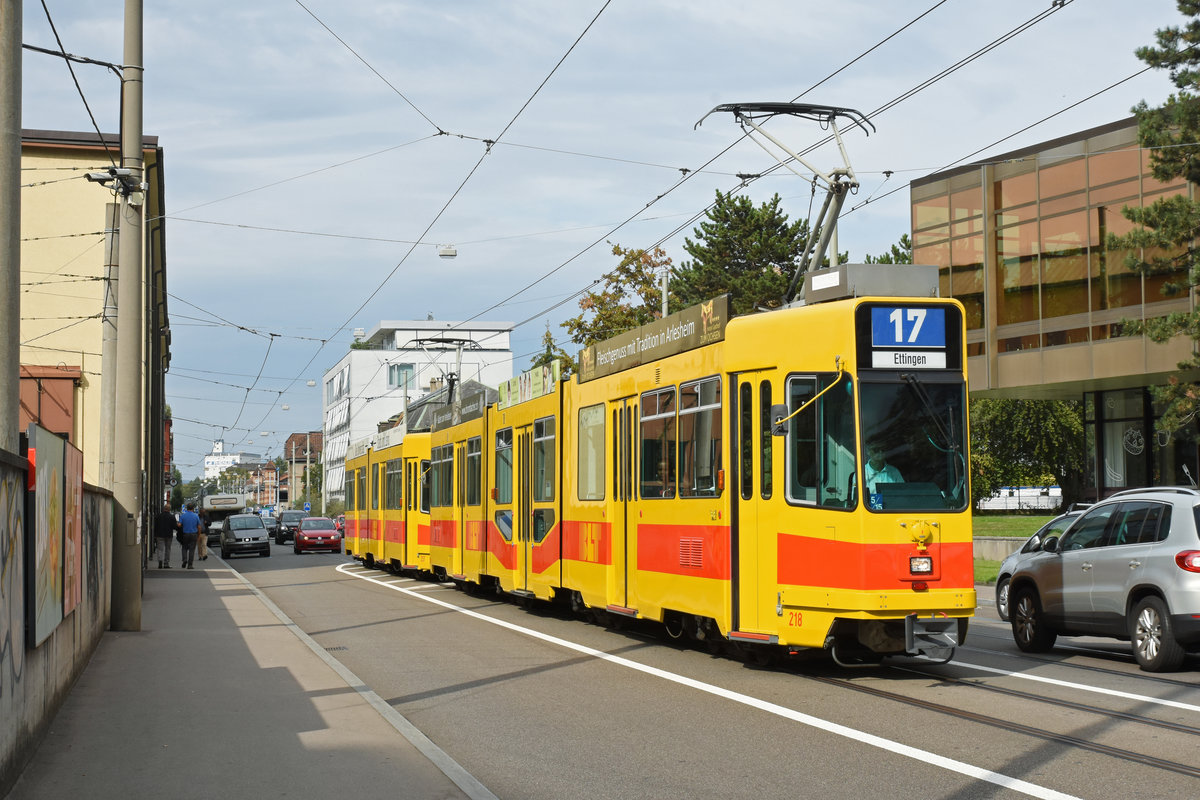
{"points": [[307, 451], [108, 347], [127, 485], [10, 224]]}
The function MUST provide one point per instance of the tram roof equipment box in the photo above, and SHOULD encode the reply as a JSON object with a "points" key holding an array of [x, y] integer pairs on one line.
{"points": [[873, 280]]}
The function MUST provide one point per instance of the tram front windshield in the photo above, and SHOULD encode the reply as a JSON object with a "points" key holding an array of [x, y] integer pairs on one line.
{"points": [[913, 444]]}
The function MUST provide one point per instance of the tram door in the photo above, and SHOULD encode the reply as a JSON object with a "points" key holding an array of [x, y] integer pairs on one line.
{"points": [[536, 501], [624, 446], [752, 542]]}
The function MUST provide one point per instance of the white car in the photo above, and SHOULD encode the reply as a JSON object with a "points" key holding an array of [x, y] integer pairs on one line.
{"points": [[1033, 544]]}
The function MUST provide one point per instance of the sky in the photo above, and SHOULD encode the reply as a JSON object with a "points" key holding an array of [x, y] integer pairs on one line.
{"points": [[318, 154]]}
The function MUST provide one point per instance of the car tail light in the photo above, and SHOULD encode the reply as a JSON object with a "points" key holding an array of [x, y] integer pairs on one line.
{"points": [[1188, 560]]}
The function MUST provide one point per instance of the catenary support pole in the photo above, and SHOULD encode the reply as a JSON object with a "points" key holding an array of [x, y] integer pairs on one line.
{"points": [[127, 486], [10, 223]]}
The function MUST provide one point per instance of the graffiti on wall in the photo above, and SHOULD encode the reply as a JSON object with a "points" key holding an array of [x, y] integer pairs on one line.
{"points": [[93, 550], [12, 579]]}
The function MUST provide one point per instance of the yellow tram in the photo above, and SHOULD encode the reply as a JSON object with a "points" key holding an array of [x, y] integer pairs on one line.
{"points": [[785, 480]]}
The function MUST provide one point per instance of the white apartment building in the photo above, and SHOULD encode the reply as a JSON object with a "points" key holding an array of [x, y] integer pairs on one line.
{"points": [[398, 362], [218, 460]]}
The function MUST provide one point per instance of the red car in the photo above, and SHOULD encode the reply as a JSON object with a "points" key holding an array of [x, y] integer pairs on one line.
{"points": [[340, 523], [317, 533]]}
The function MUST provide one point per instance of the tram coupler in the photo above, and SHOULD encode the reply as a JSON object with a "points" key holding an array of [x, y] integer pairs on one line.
{"points": [[934, 637]]}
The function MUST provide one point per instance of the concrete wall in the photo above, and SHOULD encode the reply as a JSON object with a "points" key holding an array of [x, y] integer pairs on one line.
{"points": [[34, 683]]}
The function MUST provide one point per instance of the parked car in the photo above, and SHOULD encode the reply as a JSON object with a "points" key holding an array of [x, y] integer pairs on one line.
{"points": [[317, 533], [244, 533], [1128, 568], [288, 521], [1033, 544]]}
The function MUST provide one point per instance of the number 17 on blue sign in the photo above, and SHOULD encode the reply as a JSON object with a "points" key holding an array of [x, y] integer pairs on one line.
{"points": [[908, 327]]}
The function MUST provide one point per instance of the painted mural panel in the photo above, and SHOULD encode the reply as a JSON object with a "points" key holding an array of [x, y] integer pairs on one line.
{"points": [[72, 528], [12, 581], [46, 451]]}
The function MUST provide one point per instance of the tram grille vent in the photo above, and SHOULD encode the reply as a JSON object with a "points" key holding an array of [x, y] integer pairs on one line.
{"points": [[691, 552], [657, 375]]}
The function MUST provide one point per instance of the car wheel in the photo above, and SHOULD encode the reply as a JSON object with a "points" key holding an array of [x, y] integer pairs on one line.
{"points": [[224, 554], [278, 538], [1029, 627], [1153, 637], [1002, 598], [296, 549]]}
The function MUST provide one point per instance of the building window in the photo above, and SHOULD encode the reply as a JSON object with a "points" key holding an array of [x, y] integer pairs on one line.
{"points": [[401, 376]]}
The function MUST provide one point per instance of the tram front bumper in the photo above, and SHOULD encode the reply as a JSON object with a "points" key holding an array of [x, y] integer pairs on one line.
{"points": [[935, 637]]}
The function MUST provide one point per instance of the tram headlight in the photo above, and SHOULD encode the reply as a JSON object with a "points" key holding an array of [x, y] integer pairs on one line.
{"points": [[920, 565]]}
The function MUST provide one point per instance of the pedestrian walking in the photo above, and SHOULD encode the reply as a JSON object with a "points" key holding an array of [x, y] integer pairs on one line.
{"points": [[189, 530], [202, 538], [164, 529]]}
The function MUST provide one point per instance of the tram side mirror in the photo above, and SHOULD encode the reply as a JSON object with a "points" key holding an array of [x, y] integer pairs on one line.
{"points": [[779, 413]]}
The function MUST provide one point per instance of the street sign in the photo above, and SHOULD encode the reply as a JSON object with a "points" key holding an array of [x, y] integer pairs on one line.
{"points": [[308, 506]]}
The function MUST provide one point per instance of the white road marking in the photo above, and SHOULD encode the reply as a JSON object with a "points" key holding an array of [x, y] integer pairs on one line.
{"points": [[924, 756]]}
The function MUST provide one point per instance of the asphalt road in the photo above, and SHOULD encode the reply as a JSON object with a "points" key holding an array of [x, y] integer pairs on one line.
{"points": [[537, 704]]}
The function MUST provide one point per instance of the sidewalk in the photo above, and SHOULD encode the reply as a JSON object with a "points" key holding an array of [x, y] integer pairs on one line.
{"points": [[219, 695]]}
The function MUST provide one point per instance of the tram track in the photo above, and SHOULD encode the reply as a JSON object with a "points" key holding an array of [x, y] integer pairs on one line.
{"points": [[1174, 727], [1190, 770]]}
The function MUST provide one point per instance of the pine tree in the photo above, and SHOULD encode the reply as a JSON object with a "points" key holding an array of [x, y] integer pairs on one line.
{"points": [[749, 252]]}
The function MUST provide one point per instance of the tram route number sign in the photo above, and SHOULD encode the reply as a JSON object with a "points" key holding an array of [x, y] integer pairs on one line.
{"points": [[908, 337]]}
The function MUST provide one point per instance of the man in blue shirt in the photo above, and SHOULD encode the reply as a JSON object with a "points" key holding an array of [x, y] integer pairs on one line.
{"points": [[189, 528]]}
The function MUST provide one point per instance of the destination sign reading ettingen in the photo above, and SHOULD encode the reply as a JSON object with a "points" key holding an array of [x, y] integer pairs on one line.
{"points": [[908, 359]]}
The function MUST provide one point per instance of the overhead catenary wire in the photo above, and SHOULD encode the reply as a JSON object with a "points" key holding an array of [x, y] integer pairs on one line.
{"points": [[78, 88]]}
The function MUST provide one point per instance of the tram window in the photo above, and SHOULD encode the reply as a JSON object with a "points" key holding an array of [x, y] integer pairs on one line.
{"points": [[375, 487], [348, 487], [474, 471], [591, 453], [504, 465], [361, 489], [442, 475], [919, 425], [426, 469], [657, 435], [393, 485], [543, 460], [821, 445], [699, 438], [746, 439], [543, 521], [767, 440]]}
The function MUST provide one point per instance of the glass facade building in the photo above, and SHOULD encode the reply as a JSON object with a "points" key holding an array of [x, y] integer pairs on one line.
{"points": [[1020, 240]]}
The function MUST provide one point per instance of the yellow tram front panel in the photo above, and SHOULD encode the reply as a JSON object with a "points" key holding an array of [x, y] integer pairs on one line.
{"points": [[813, 549]]}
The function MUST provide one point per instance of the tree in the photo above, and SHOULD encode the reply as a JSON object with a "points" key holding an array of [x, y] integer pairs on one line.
{"points": [[901, 253], [1167, 228], [550, 352], [1027, 443], [749, 252], [631, 297]]}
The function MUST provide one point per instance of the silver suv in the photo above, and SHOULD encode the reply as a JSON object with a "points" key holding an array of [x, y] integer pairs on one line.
{"points": [[1129, 567]]}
